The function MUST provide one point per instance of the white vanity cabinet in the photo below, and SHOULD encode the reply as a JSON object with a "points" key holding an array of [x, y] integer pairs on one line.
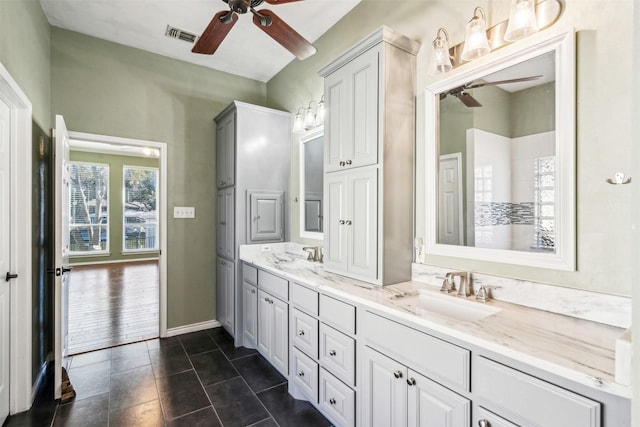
{"points": [[273, 320], [242, 166], [369, 146]]}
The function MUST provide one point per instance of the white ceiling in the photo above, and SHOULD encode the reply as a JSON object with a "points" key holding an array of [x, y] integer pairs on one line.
{"points": [[246, 51]]}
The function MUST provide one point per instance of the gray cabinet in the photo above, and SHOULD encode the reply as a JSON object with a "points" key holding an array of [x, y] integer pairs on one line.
{"points": [[225, 275], [370, 96], [273, 329], [250, 314], [243, 165]]}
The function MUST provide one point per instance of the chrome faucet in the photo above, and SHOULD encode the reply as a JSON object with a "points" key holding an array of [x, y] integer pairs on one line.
{"points": [[465, 287], [315, 253]]}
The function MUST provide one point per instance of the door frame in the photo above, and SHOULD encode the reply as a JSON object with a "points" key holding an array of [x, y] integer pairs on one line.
{"points": [[162, 210], [20, 378]]}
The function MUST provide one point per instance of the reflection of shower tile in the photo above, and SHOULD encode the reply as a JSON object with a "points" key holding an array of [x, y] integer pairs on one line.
{"points": [[503, 213]]}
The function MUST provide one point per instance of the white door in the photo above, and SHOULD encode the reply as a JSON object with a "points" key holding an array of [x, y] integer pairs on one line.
{"points": [[265, 324], [5, 258], [335, 237], [431, 405], [385, 391], [362, 221], [61, 251], [250, 313], [280, 345], [450, 200]]}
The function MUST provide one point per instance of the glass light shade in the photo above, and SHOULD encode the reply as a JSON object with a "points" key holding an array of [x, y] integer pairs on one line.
{"points": [[309, 119], [522, 20], [440, 59], [320, 112], [475, 40], [298, 123]]}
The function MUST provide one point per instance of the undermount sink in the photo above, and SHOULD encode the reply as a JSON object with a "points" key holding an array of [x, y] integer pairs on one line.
{"points": [[449, 305]]}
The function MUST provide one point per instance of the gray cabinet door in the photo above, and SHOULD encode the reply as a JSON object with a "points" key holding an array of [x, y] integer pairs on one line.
{"points": [[225, 151], [225, 276], [225, 223], [250, 314], [265, 217]]}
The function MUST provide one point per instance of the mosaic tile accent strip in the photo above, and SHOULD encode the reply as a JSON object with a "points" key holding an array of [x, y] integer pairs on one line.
{"points": [[504, 213]]}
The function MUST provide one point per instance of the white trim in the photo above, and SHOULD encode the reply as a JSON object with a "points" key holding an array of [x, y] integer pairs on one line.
{"points": [[306, 137], [194, 327], [458, 158], [562, 42], [20, 381], [162, 208]]}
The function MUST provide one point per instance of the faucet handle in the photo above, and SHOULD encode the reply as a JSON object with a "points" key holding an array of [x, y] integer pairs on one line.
{"points": [[448, 284], [484, 292]]}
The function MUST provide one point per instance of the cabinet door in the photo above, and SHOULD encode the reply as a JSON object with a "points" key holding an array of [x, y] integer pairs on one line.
{"points": [[384, 387], [265, 216], [225, 238], [280, 335], [335, 215], [432, 405], [250, 314], [265, 324], [225, 152], [221, 223], [362, 222], [337, 120], [225, 293]]}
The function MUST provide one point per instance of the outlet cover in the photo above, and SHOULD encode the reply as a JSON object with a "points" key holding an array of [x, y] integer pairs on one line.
{"points": [[184, 212]]}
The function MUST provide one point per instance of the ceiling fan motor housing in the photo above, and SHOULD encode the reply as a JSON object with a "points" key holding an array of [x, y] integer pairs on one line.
{"points": [[242, 6]]}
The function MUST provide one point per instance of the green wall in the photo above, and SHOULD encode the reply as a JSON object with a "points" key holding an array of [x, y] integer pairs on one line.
{"points": [[116, 198], [603, 109], [109, 89]]}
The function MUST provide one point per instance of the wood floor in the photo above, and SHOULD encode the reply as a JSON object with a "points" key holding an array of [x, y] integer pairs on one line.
{"points": [[112, 304]]}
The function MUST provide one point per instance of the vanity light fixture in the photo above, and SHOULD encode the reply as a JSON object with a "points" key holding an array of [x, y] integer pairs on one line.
{"points": [[522, 20], [440, 59], [476, 43], [320, 112], [298, 122], [309, 117]]}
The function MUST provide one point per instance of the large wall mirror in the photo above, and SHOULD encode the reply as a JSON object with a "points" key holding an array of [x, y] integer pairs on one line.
{"points": [[501, 157], [311, 179]]}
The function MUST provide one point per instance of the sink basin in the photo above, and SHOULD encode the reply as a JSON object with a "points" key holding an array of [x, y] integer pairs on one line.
{"points": [[425, 302]]}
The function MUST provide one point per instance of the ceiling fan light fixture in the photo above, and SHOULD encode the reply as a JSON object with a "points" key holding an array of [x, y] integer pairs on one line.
{"points": [[522, 20], [440, 58], [476, 43]]}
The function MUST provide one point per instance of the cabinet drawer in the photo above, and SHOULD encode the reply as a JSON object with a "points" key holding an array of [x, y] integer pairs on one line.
{"points": [[337, 399], [304, 298], [479, 414], [338, 353], [249, 274], [442, 361], [305, 333], [305, 374], [526, 400], [275, 285], [338, 313]]}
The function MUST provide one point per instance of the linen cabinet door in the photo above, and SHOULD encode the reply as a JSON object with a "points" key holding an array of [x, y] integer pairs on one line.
{"points": [[225, 152], [432, 405], [362, 223], [335, 217], [384, 387], [337, 121]]}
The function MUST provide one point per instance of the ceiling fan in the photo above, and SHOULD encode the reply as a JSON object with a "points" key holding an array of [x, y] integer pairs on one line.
{"points": [[264, 19], [461, 93]]}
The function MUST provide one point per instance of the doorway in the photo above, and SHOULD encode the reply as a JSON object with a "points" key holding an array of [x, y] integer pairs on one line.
{"points": [[117, 289]]}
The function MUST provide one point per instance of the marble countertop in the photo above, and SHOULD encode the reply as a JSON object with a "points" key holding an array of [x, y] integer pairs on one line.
{"points": [[580, 350]]}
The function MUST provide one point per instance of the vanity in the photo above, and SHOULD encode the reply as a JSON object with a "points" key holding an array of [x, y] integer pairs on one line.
{"points": [[368, 355]]}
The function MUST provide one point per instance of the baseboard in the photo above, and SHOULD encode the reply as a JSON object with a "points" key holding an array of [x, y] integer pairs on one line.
{"points": [[194, 327]]}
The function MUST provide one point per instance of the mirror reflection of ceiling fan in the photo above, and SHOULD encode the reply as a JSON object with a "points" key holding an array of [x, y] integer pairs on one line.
{"points": [[461, 93], [264, 19]]}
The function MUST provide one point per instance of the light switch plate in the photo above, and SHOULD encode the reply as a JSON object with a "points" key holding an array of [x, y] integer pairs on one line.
{"points": [[184, 212]]}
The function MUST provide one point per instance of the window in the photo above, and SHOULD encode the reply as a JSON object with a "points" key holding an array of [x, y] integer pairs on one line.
{"points": [[140, 214], [545, 221], [89, 208]]}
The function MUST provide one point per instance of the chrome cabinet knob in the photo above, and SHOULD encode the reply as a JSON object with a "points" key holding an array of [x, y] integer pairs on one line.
{"points": [[332, 401], [341, 222], [348, 222], [301, 373], [332, 353], [301, 333], [397, 374], [349, 162], [342, 163], [484, 423], [411, 381]]}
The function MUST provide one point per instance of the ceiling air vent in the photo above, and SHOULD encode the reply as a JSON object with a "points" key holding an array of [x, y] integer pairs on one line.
{"points": [[177, 33]]}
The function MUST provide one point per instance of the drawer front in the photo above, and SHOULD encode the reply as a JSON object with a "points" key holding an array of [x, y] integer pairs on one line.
{"points": [[338, 354], [305, 333], [442, 361], [275, 285], [337, 400], [304, 298], [526, 400], [338, 313], [481, 414], [249, 274], [305, 374]]}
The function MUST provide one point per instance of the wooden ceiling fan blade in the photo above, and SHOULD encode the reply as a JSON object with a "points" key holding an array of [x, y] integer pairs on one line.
{"points": [[468, 100], [278, 30], [216, 31]]}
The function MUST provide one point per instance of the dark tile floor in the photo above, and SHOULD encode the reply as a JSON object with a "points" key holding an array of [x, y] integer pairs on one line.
{"points": [[197, 379]]}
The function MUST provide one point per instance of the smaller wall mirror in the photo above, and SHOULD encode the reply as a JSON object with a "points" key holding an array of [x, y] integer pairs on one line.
{"points": [[311, 180], [502, 151]]}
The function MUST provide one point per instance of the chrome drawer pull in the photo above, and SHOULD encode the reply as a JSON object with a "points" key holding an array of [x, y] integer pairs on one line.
{"points": [[397, 374], [332, 401], [301, 373], [484, 423], [332, 353], [301, 333]]}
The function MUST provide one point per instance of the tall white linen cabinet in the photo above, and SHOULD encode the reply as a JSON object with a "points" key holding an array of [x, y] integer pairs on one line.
{"points": [[369, 149], [253, 152]]}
